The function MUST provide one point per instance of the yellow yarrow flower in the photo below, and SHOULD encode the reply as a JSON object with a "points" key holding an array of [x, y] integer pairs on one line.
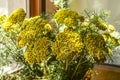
{"points": [[67, 43], [33, 28], [38, 50], [17, 15], [68, 17], [60, 15], [11, 22], [95, 44]]}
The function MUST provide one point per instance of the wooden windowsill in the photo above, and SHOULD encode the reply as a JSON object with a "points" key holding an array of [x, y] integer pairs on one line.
{"points": [[106, 72]]}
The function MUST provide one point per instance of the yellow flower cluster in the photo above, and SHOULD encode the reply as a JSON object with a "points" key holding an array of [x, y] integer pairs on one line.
{"points": [[38, 51], [67, 44], [32, 29], [16, 16], [34, 34], [95, 45], [68, 17]]}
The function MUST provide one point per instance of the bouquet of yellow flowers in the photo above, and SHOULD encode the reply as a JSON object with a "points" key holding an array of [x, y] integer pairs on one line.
{"points": [[66, 51]]}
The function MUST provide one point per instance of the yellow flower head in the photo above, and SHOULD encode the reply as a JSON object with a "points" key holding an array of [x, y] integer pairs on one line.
{"points": [[38, 51], [60, 15], [67, 44], [95, 44], [33, 28], [68, 17], [17, 16]]}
